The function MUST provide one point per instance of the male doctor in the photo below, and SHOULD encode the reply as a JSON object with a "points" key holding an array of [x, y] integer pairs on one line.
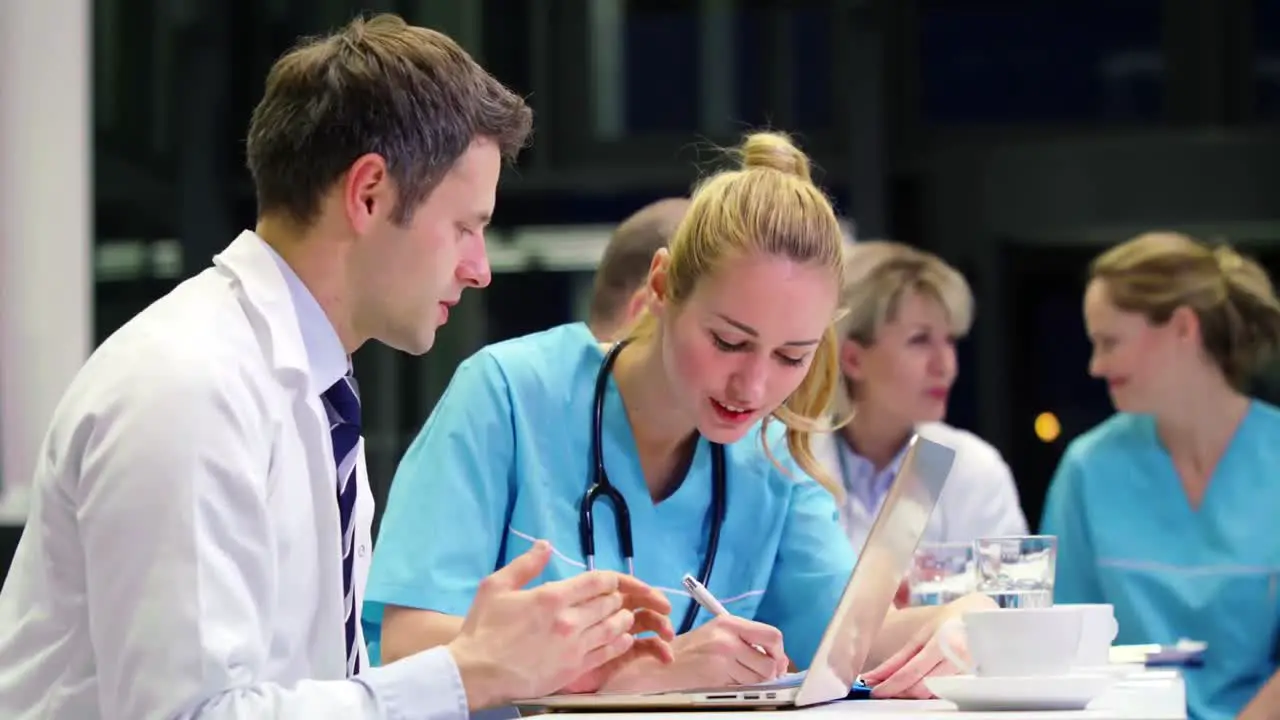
{"points": [[199, 532]]}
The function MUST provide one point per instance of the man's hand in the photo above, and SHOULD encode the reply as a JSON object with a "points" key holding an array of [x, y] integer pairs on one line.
{"points": [[652, 652], [518, 643]]}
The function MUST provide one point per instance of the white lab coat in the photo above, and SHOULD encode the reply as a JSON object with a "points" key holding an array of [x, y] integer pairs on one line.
{"points": [[183, 553], [980, 498]]}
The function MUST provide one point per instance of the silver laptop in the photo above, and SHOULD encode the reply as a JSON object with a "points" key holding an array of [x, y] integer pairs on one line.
{"points": [[883, 562]]}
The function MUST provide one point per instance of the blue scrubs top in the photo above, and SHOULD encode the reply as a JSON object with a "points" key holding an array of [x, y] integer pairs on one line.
{"points": [[1127, 536], [504, 460]]}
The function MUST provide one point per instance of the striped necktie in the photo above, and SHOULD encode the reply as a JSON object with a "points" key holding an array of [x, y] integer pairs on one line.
{"points": [[342, 403]]}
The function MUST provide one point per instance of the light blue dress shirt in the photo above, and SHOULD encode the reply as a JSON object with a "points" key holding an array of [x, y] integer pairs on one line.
{"points": [[504, 460], [1128, 536], [863, 483], [425, 686]]}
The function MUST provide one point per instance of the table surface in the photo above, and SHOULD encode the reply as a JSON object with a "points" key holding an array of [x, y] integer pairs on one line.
{"points": [[1154, 695]]}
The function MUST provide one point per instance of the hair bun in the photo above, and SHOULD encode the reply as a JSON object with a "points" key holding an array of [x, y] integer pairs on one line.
{"points": [[774, 151], [1228, 259]]}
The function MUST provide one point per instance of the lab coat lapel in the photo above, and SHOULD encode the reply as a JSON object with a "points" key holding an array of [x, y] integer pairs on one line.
{"points": [[266, 299]]}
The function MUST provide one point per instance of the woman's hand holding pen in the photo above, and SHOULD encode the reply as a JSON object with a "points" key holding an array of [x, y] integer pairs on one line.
{"points": [[725, 651], [728, 650]]}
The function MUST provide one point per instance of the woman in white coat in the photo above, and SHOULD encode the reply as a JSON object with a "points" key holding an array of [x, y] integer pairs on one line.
{"points": [[905, 309]]}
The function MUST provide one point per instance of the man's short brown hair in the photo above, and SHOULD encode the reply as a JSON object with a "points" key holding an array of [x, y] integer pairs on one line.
{"points": [[378, 85], [625, 264]]}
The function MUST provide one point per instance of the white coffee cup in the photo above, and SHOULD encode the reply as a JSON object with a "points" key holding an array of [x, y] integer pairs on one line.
{"points": [[1098, 630], [1015, 642]]}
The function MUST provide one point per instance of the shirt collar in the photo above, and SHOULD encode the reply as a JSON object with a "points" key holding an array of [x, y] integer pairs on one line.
{"points": [[327, 359], [861, 478]]}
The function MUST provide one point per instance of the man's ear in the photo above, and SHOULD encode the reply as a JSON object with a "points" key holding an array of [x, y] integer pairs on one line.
{"points": [[367, 192]]}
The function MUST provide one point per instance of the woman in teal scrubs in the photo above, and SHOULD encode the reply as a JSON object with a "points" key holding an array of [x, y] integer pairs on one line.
{"points": [[1168, 509], [736, 350]]}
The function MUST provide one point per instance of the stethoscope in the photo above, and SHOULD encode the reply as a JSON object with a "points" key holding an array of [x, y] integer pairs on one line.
{"points": [[600, 487]]}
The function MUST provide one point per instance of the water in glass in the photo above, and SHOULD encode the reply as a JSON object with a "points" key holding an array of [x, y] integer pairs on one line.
{"points": [[1016, 572], [941, 572]]}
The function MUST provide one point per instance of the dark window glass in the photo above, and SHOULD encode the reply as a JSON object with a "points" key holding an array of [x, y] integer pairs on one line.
{"points": [[125, 46], [1266, 66], [546, 208], [1047, 354], [660, 60], [506, 35], [963, 409], [1051, 61], [811, 39], [808, 84]]}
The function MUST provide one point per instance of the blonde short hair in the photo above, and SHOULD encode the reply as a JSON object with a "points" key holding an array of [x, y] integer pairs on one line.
{"points": [[769, 204], [878, 274]]}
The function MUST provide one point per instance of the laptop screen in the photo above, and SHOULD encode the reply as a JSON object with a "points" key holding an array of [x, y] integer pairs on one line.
{"points": [[884, 561]]}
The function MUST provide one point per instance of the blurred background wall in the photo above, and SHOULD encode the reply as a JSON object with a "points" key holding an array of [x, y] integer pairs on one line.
{"points": [[1016, 138]]}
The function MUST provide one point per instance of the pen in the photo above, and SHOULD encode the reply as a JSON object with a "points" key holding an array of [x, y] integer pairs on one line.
{"points": [[703, 596], [1184, 653], [708, 602]]}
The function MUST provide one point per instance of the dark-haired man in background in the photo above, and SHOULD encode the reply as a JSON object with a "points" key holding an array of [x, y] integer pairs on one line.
{"points": [[617, 293]]}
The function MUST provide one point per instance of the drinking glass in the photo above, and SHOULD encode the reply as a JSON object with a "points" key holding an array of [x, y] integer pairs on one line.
{"points": [[940, 573], [1016, 572]]}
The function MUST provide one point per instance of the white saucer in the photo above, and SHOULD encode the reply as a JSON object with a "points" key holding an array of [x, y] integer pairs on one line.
{"points": [[1049, 692]]}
